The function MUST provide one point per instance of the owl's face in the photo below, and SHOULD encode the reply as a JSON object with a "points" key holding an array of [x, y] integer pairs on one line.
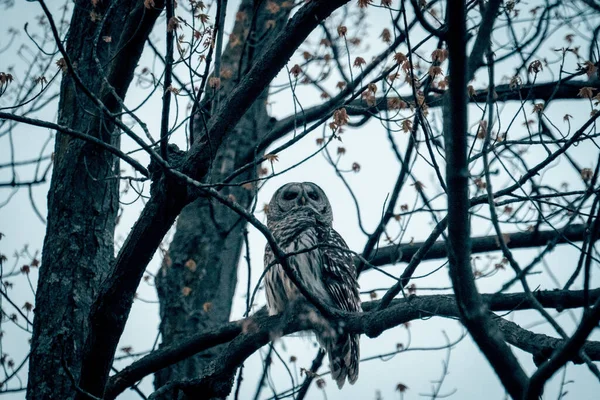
{"points": [[298, 195]]}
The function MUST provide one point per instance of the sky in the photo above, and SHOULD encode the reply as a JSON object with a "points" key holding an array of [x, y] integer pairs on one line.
{"points": [[466, 374]]}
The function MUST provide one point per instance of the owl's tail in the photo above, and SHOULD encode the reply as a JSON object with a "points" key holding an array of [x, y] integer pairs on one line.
{"points": [[344, 357]]}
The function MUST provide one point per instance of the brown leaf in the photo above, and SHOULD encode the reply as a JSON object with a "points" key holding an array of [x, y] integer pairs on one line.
{"points": [[400, 58], [535, 67], [412, 288], [296, 70], [394, 103], [386, 36], [589, 67], [439, 55], [359, 61], [586, 174], [271, 157], [191, 265], [273, 7], [434, 71], [214, 82], [62, 64], [6, 78], [538, 108], [340, 117], [482, 129], [471, 91], [569, 38], [95, 17], [586, 92]]}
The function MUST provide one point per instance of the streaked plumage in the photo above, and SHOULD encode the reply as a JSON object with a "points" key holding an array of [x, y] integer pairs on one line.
{"points": [[300, 217]]}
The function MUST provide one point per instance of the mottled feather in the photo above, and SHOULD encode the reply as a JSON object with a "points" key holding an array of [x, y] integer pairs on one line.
{"points": [[300, 218]]}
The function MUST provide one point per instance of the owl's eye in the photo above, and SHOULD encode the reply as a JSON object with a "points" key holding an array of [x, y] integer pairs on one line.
{"points": [[313, 195], [290, 195]]}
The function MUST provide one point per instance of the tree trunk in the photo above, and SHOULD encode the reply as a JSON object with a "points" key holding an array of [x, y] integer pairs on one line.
{"points": [[78, 250], [197, 280]]}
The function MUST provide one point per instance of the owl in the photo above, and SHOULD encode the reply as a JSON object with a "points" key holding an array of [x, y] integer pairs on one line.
{"points": [[299, 216]]}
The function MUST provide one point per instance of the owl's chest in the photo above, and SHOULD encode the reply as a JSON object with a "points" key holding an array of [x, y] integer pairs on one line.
{"points": [[306, 260]]}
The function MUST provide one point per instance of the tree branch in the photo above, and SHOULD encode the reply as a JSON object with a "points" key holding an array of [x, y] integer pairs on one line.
{"points": [[518, 240], [570, 349], [540, 91], [371, 322], [482, 41], [79, 135], [473, 311]]}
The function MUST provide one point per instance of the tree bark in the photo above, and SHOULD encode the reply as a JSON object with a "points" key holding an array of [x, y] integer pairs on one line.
{"points": [[78, 249], [198, 277]]}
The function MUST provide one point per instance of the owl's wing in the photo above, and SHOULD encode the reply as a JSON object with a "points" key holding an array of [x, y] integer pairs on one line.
{"points": [[273, 287], [339, 274]]}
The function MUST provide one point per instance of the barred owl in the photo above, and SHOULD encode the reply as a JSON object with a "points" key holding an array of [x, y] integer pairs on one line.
{"points": [[299, 216]]}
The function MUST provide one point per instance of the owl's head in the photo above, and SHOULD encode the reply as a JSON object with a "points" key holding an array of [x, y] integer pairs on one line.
{"points": [[296, 196]]}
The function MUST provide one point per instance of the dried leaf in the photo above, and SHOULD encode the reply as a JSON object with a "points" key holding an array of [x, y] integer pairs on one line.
{"points": [[386, 36], [296, 70], [400, 58], [191, 265], [359, 61], [586, 92]]}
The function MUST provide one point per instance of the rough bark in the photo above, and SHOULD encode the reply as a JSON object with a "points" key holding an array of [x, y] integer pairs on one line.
{"points": [[205, 251], [78, 250]]}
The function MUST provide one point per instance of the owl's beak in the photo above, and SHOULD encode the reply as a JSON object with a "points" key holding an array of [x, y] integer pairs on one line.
{"points": [[303, 200]]}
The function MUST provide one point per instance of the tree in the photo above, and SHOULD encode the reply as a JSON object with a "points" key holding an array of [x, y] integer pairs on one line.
{"points": [[468, 96]]}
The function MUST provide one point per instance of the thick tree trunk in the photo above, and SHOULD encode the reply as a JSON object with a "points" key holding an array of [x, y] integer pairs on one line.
{"points": [[197, 280], [78, 250]]}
